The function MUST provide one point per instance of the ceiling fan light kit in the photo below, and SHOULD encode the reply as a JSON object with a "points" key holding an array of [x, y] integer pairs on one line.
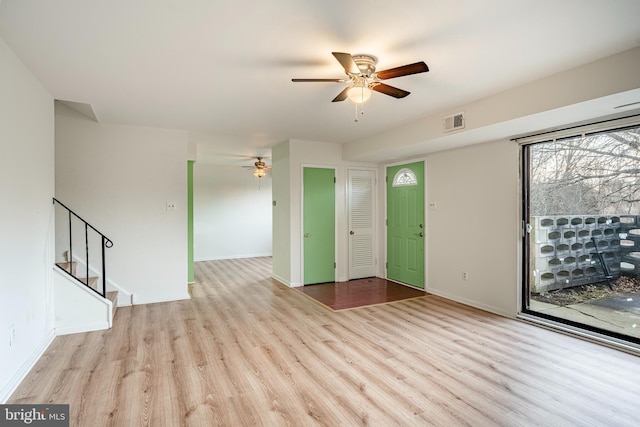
{"points": [[362, 75], [259, 168], [359, 94]]}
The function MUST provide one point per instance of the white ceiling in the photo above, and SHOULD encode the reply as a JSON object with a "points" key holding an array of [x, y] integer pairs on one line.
{"points": [[225, 67]]}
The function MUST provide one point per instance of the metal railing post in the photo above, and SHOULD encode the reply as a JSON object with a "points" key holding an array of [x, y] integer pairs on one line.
{"points": [[86, 250], [70, 257], [106, 243], [104, 270]]}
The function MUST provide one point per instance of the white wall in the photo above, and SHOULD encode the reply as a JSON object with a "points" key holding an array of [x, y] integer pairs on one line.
{"points": [[475, 226], [120, 178], [26, 221], [231, 213]]}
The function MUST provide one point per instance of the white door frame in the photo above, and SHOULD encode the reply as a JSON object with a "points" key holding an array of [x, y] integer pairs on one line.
{"points": [[426, 214], [374, 192]]}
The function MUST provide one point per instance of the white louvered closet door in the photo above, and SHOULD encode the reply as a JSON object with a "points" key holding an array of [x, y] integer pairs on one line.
{"points": [[361, 193]]}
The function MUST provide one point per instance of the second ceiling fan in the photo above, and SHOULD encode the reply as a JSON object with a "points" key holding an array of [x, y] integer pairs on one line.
{"points": [[361, 73]]}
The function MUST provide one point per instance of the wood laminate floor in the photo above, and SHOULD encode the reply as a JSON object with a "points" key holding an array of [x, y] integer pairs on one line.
{"points": [[359, 293], [246, 350]]}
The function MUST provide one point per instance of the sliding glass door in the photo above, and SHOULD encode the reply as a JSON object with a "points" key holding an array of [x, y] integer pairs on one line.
{"points": [[582, 239]]}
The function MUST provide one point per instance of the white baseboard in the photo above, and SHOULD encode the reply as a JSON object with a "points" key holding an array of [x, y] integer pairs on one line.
{"points": [[15, 381], [124, 297], [123, 300], [471, 303], [281, 280]]}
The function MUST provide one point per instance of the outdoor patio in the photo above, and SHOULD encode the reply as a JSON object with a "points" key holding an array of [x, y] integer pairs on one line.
{"points": [[620, 313]]}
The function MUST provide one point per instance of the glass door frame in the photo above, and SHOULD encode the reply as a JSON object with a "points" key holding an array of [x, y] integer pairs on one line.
{"points": [[547, 319]]}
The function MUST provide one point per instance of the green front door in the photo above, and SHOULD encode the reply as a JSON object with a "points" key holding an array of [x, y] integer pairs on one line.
{"points": [[319, 225], [405, 224]]}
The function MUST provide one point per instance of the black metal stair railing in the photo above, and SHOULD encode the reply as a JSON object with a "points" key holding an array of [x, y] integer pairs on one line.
{"points": [[105, 243]]}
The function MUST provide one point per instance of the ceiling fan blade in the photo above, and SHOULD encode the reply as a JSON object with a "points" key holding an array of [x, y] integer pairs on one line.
{"points": [[342, 95], [405, 70], [320, 80], [389, 90], [347, 62]]}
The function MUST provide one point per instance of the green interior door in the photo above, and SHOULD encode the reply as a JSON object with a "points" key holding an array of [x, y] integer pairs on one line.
{"points": [[405, 224], [319, 225]]}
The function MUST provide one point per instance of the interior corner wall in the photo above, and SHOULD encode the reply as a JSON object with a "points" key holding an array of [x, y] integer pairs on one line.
{"points": [[281, 213], [190, 239], [26, 223], [232, 213], [475, 225], [121, 179]]}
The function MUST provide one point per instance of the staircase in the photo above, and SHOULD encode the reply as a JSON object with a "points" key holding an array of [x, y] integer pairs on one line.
{"points": [[72, 267], [82, 302]]}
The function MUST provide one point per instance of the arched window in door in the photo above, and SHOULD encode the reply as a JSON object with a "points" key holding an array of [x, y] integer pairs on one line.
{"points": [[404, 177]]}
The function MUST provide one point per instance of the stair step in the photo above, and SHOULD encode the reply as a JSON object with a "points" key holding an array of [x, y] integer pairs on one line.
{"points": [[93, 282], [69, 267], [113, 297]]}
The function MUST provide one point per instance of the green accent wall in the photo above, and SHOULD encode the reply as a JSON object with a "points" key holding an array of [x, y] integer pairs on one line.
{"points": [[190, 274]]}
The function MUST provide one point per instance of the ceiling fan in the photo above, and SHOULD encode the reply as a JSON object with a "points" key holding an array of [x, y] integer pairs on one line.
{"points": [[259, 168], [361, 73]]}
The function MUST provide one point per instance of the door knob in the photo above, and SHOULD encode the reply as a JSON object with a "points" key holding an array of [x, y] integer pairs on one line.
{"points": [[351, 232], [307, 234], [421, 234]]}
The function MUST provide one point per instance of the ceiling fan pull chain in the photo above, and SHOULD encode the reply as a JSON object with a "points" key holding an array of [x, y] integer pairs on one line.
{"points": [[361, 112]]}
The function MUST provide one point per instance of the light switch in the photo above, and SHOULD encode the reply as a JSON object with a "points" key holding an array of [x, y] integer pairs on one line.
{"points": [[171, 206]]}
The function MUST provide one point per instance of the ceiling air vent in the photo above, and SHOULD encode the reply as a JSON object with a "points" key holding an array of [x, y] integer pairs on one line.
{"points": [[454, 122]]}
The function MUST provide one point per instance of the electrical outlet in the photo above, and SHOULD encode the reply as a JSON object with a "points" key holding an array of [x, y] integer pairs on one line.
{"points": [[465, 275]]}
